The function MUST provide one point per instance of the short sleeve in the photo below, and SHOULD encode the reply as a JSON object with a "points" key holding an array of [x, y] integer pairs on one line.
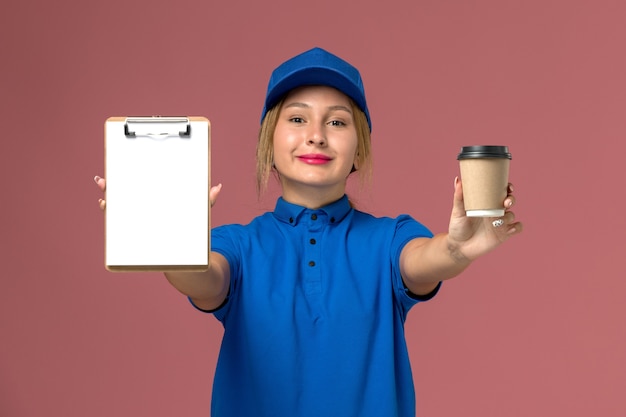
{"points": [[224, 243], [406, 230]]}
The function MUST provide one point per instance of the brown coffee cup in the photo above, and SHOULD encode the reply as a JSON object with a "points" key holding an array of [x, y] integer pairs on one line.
{"points": [[485, 177]]}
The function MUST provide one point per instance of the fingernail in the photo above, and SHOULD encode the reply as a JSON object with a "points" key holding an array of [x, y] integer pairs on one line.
{"points": [[456, 180], [509, 203], [96, 179]]}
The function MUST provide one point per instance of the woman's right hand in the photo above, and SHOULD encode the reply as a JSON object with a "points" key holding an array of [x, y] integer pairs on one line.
{"points": [[101, 182]]}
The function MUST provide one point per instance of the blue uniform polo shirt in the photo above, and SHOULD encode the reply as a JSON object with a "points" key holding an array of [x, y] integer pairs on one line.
{"points": [[314, 321]]}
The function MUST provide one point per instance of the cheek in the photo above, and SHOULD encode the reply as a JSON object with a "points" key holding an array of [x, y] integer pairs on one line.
{"points": [[354, 152], [281, 151], [280, 148], [283, 139]]}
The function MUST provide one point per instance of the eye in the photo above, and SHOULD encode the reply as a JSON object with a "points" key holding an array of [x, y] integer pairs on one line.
{"points": [[337, 123], [296, 119]]}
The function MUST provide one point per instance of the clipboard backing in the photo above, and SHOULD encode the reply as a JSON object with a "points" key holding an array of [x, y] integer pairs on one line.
{"points": [[157, 215]]}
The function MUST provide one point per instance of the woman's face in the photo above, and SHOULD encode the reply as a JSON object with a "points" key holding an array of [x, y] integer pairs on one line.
{"points": [[315, 143]]}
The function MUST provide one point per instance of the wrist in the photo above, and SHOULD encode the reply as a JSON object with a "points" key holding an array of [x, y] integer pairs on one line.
{"points": [[455, 253]]}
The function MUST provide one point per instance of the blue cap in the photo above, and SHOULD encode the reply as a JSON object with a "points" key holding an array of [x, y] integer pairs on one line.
{"points": [[316, 67]]}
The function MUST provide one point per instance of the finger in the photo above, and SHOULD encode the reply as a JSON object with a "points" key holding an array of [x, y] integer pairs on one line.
{"points": [[101, 182], [102, 204], [458, 207], [213, 193], [504, 221], [515, 228], [509, 201]]}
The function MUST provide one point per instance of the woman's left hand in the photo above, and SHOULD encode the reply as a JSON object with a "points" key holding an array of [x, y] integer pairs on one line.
{"points": [[473, 237]]}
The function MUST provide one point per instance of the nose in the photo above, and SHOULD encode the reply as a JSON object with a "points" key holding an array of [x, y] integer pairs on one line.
{"points": [[316, 136]]}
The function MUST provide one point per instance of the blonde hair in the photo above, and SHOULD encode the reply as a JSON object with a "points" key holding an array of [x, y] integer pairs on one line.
{"points": [[265, 146]]}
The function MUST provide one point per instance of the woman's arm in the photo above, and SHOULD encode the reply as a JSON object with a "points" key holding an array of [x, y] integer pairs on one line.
{"points": [[208, 289], [424, 262]]}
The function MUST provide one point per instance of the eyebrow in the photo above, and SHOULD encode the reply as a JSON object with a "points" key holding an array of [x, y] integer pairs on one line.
{"points": [[332, 108]]}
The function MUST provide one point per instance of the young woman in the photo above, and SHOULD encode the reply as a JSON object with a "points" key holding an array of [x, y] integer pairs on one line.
{"points": [[313, 296]]}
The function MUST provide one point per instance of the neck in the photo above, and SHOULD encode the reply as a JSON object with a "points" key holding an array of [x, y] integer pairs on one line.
{"points": [[312, 197]]}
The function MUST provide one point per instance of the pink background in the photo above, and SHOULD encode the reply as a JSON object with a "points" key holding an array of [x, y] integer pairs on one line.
{"points": [[534, 329]]}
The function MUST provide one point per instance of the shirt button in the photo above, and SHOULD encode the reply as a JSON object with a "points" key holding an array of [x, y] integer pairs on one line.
{"points": [[313, 216], [291, 220], [311, 263], [332, 220], [312, 241]]}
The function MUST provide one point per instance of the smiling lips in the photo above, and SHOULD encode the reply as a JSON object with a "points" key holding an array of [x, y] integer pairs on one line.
{"points": [[314, 159]]}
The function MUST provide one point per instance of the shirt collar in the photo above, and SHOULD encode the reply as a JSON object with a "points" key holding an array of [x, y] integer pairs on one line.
{"points": [[292, 213]]}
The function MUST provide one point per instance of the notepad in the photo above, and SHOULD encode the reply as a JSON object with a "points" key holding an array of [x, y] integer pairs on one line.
{"points": [[157, 215]]}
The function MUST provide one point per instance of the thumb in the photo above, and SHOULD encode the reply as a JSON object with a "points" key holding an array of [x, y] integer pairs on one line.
{"points": [[458, 207], [213, 193]]}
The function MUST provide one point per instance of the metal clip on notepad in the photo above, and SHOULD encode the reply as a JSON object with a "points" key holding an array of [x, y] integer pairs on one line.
{"points": [[157, 127]]}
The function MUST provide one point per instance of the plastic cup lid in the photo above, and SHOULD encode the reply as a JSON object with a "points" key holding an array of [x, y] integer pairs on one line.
{"points": [[484, 151]]}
